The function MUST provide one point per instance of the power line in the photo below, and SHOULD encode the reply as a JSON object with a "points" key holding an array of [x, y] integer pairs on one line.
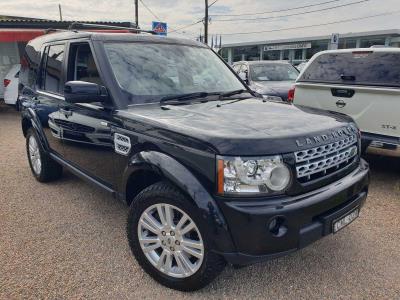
{"points": [[159, 19], [295, 14], [213, 3], [150, 11], [275, 11], [187, 26], [314, 25]]}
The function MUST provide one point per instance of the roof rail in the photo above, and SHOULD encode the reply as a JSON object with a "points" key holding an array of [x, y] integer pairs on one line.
{"points": [[50, 30], [77, 25]]}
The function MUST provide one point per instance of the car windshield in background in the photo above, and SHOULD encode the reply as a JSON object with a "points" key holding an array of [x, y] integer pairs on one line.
{"points": [[358, 68], [150, 72], [273, 72]]}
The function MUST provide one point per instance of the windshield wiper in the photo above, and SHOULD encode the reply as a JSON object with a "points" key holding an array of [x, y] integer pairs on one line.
{"points": [[232, 93], [184, 97]]}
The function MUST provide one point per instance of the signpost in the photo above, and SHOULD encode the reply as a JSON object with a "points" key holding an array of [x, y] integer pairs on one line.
{"points": [[160, 28], [334, 41]]}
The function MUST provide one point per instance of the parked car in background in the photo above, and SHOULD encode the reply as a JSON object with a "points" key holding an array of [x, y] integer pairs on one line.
{"points": [[301, 66], [362, 83], [272, 79], [11, 86]]}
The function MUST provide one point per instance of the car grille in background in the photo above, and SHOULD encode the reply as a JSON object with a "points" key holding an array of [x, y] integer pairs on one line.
{"points": [[324, 160]]}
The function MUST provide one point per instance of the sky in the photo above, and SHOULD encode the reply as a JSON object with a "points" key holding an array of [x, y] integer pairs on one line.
{"points": [[181, 13]]}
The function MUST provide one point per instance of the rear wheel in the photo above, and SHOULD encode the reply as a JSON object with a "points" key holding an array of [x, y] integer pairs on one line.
{"points": [[43, 167], [169, 240]]}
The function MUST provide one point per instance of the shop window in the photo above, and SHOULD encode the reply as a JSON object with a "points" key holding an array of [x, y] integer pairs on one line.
{"points": [[347, 43], [272, 55], [317, 46], [366, 43]]}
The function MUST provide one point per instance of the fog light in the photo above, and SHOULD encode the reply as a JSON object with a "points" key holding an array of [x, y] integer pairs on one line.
{"points": [[276, 226]]}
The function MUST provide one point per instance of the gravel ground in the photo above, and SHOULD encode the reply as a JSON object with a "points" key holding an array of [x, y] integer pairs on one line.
{"points": [[66, 240]]}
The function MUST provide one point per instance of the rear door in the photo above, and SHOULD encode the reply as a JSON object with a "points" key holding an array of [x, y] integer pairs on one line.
{"points": [[362, 84], [49, 94]]}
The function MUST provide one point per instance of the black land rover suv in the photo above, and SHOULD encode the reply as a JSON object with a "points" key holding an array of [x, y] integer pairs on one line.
{"points": [[211, 172]]}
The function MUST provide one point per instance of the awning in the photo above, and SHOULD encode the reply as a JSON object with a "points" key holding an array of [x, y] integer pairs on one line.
{"points": [[25, 35], [22, 35]]}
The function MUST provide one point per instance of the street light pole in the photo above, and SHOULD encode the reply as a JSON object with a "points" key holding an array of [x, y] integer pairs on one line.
{"points": [[137, 13], [206, 24]]}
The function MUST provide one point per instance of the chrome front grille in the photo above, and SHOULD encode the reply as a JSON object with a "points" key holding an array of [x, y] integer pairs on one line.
{"points": [[326, 159]]}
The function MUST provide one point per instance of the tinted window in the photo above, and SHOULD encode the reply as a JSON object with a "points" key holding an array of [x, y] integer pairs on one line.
{"points": [[53, 77], [149, 72], [273, 72], [358, 67], [81, 64]]}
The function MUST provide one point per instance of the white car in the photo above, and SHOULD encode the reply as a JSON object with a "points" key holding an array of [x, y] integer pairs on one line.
{"points": [[362, 83], [11, 86]]}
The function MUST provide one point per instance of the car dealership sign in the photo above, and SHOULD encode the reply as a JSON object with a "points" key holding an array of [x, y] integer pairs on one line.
{"points": [[288, 46]]}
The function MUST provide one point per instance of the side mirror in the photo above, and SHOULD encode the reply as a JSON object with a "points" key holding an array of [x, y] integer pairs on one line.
{"points": [[84, 92], [243, 76]]}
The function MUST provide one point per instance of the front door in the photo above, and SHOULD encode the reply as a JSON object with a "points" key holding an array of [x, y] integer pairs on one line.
{"points": [[88, 141]]}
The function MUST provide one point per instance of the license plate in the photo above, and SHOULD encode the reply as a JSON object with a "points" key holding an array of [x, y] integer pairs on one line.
{"points": [[345, 220]]}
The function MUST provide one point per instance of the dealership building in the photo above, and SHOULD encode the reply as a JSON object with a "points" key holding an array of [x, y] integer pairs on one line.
{"points": [[297, 50], [15, 32]]}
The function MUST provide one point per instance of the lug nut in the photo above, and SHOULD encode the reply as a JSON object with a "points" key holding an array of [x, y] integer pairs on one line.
{"points": [[163, 242], [177, 243], [172, 233], [172, 249], [164, 233]]}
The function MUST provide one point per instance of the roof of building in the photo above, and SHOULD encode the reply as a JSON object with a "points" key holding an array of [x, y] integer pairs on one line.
{"points": [[393, 32], [13, 22]]}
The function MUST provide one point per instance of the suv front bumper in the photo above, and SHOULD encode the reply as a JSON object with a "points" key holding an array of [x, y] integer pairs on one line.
{"points": [[300, 220]]}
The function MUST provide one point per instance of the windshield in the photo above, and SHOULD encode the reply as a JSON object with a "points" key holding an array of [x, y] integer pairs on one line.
{"points": [[273, 72], [149, 72]]}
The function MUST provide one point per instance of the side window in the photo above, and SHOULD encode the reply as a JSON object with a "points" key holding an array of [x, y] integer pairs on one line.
{"points": [[81, 64], [53, 72]]}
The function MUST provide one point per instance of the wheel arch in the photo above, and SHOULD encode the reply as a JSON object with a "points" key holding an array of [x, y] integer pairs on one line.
{"points": [[31, 120], [149, 167]]}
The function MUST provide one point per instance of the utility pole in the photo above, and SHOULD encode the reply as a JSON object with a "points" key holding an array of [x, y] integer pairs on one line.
{"points": [[59, 10], [206, 24], [137, 13]]}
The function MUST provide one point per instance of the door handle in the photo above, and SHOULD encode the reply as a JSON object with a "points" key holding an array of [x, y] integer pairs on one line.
{"points": [[66, 112]]}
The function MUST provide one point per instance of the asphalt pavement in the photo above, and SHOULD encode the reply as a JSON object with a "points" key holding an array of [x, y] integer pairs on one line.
{"points": [[66, 240]]}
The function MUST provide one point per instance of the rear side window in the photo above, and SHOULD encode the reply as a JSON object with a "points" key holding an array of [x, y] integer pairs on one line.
{"points": [[357, 68], [53, 72]]}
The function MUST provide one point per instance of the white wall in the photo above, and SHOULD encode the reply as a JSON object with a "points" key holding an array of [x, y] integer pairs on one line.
{"points": [[9, 56]]}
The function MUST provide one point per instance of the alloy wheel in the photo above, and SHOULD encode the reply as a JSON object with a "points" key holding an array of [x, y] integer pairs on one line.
{"points": [[170, 240], [34, 155]]}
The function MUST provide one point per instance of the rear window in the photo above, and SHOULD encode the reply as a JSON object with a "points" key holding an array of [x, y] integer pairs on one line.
{"points": [[357, 68]]}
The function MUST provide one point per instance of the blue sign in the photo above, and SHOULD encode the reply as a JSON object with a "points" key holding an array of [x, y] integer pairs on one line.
{"points": [[160, 28]]}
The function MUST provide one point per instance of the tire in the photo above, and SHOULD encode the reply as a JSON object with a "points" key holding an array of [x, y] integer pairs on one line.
{"points": [[18, 105], [165, 195], [48, 170]]}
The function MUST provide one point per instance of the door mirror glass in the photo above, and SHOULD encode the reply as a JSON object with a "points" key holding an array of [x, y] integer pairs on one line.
{"points": [[85, 92]]}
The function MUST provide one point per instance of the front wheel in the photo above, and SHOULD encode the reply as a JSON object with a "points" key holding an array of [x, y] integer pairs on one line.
{"points": [[169, 240]]}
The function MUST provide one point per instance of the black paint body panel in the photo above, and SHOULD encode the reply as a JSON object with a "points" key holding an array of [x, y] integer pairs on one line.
{"points": [[180, 145]]}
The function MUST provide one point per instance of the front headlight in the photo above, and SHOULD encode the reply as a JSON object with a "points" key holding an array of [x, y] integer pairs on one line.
{"points": [[240, 175]]}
